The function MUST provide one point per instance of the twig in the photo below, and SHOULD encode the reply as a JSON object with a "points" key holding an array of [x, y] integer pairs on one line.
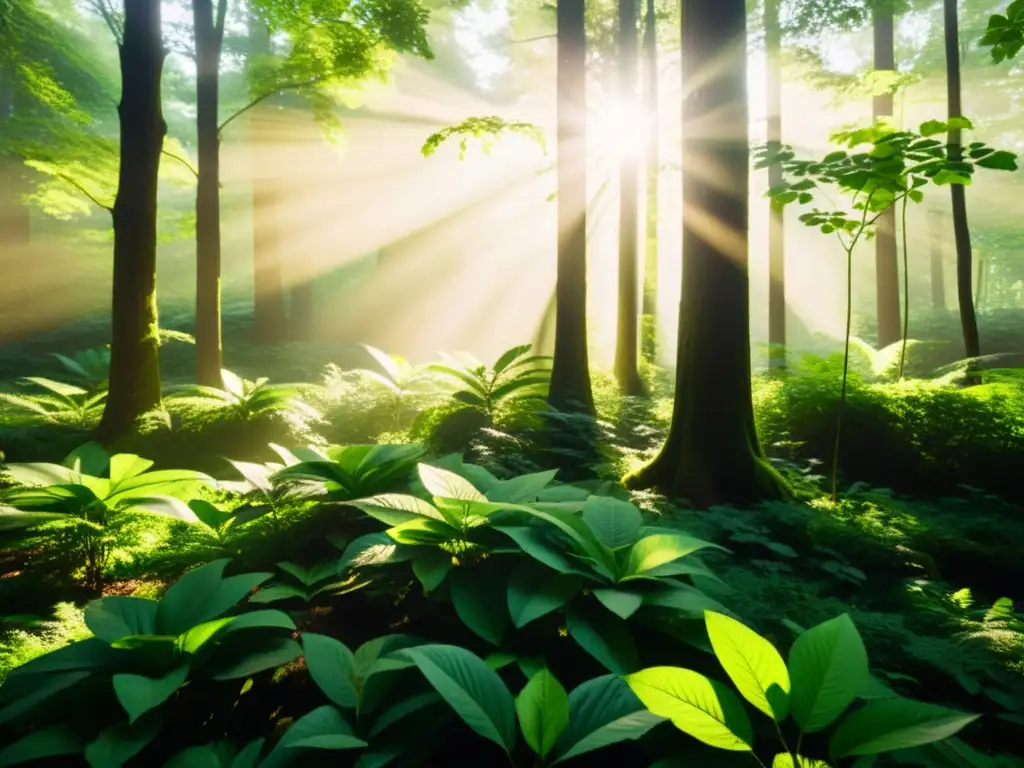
{"points": [[181, 160], [108, 208], [264, 97]]}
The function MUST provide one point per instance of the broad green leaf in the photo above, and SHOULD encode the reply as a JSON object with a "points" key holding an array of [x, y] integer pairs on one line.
{"points": [[34, 690], [604, 636], [332, 667], [41, 474], [522, 489], [197, 757], [198, 636], [621, 602], [402, 710], [111, 618], [447, 485], [573, 527], [785, 760], [137, 694], [615, 523], [118, 744], [828, 668], [277, 592], [536, 543], [323, 728], [395, 508], [268, 654], [208, 514], [471, 688], [603, 711], [54, 741], [1000, 161], [890, 724], [423, 531], [697, 705], [90, 459], [268, 618], [752, 663], [203, 594], [534, 592], [543, 709], [431, 566], [652, 551], [125, 466], [478, 595], [681, 597]]}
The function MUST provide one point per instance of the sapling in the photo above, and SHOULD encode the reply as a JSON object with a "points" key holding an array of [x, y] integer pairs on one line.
{"points": [[894, 168]]}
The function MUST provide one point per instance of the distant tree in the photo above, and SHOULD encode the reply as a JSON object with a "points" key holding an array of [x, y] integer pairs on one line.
{"points": [[776, 222], [650, 108], [134, 380], [712, 454]]}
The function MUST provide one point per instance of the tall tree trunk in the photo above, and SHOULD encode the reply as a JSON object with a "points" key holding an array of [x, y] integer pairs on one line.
{"points": [[776, 222], [650, 301], [938, 272], [208, 37], [627, 346], [712, 454], [302, 311], [134, 350], [961, 232], [570, 374], [270, 324], [887, 267]]}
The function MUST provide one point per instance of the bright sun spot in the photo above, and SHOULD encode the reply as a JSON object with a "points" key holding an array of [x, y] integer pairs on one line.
{"points": [[618, 132]]}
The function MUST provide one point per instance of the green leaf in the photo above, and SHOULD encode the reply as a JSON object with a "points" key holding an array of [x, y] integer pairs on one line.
{"points": [[536, 543], [603, 711], [471, 688], [332, 666], [270, 654], [652, 551], [447, 485], [138, 694], [828, 668], [999, 160], [696, 705], [431, 566], [118, 744], [619, 601], [277, 592], [197, 637], [479, 598], [395, 508], [398, 712], [111, 618], [615, 523], [785, 760], [752, 663], [534, 592], [203, 594], [885, 725], [423, 531], [543, 709], [323, 728], [683, 598], [55, 741], [522, 489], [605, 637]]}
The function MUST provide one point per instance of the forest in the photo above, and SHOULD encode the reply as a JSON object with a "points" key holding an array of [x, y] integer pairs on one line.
{"points": [[430, 382]]}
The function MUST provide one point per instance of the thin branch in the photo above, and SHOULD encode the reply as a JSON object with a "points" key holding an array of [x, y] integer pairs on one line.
{"points": [[108, 208], [532, 39], [264, 97], [106, 12], [181, 160]]}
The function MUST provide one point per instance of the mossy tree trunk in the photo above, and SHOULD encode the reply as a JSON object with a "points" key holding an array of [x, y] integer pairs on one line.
{"points": [[269, 321], [627, 342], [961, 231], [134, 350], [887, 268], [712, 454], [570, 374], [776, 222], [209, 36], [649, 309]]}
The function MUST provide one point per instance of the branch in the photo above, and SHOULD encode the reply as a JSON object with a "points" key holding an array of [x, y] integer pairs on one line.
{"points": [[108, 208], [264, 97], [222, 12], [181, 160], [107, 13], [532, 39]]}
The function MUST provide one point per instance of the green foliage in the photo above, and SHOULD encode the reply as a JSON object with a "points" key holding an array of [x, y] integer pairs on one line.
{"points": [[1005, 32], [827, 671], [87, 490], [486, 130], [343, 473], [515, 375], [63, 404], [246, 399]]}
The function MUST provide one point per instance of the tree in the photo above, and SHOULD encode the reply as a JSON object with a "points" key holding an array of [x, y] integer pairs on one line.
{"points": [[936, 225], [712, 454], [776, 222], [570, 374], [650, 107], [208, 30], [961, 232], [887, 270], [627, 349], [134, 385]]}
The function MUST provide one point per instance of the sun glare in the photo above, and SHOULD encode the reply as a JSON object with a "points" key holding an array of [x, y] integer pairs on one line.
{"points": [[618, 132]]}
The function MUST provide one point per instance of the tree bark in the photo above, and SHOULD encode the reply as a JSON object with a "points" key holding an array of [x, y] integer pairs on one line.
{"points": [[134, 350], [776, 222], [887, 267], [961, 231], [938, 271], [270, 323], [712, 454], [649, 330], [208, 38], [570, 374], [627, 346]]}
